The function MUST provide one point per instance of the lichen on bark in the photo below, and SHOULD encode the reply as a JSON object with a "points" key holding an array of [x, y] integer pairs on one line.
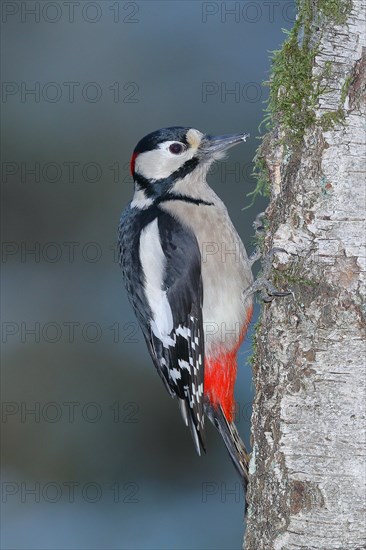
{"points": [[308, 425]]}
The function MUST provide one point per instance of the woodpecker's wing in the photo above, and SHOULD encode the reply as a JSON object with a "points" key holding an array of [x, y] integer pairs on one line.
{"points": [[132, 224], [183, 282], [165, 288]]}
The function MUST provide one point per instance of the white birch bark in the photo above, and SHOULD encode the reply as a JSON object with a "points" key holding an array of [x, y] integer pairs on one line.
{"points": [[307, 483]]}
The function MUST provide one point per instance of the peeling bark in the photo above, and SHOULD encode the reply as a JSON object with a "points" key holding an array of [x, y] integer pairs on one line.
{"points": [[307, 471]]}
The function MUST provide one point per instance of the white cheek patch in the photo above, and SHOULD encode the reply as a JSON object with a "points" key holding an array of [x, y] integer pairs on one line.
{"points": [[152, 165], [153, 264], [161, 163]]}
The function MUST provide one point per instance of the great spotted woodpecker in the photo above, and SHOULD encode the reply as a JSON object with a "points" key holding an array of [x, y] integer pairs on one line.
{"points": [[185, 269]]}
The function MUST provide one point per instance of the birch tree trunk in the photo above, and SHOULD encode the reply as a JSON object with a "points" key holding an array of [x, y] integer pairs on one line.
{"points": [[307, 482]]}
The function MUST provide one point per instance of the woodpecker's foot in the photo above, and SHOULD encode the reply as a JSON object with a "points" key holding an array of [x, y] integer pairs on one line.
{"points": [[255, 256], [263, 284]]}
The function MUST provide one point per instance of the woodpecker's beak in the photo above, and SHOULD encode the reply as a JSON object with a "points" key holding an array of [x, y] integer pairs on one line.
{"points": [[217, 144]]}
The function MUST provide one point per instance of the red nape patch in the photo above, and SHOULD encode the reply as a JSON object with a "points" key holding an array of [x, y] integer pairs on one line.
{"points": [[132, 163], [220, 375]]}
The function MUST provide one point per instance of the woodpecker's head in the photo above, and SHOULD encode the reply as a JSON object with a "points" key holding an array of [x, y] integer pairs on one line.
{"points": [[173, 159]]}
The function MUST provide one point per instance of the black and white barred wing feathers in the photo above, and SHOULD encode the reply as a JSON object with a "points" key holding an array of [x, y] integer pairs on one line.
{"points": [[170, 261], [183, 354]]}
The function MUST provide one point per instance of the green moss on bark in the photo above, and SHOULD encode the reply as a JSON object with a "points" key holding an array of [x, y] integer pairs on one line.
{"points": [[294, 88]]}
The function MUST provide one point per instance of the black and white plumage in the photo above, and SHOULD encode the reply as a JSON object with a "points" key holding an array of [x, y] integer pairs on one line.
{"points": [[161, 264], [178, 289]]}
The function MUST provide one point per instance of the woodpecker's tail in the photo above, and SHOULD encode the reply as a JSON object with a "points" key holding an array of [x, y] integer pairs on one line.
{"points": [[197, 433], [232, 440]]}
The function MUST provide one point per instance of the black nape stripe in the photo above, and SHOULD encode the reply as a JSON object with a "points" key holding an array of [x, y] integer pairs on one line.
{"points": [[158, 187]]}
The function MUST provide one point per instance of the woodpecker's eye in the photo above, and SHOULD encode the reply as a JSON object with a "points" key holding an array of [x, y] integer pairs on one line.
{"points": [[176, 148]]}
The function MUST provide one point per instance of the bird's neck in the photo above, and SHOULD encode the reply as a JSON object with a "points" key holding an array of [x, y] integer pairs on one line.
{"points": [[193, 188]]}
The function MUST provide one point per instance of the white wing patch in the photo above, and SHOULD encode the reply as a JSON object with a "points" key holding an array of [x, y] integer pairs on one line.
{"points": [[184, 365], [175, 374], [183, 331], [153, 264]]}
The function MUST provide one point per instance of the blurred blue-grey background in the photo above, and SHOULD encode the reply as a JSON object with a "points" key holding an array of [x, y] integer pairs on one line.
{"points": [[94, 453]]}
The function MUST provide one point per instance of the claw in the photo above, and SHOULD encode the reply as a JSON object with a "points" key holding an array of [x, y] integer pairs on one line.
{"points": [[255, 256], [263, 284], [274, 294]]}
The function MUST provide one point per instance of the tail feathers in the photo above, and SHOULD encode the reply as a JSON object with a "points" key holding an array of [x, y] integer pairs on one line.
{"points": [[232, 440], [183, 410], [197, 435]]}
